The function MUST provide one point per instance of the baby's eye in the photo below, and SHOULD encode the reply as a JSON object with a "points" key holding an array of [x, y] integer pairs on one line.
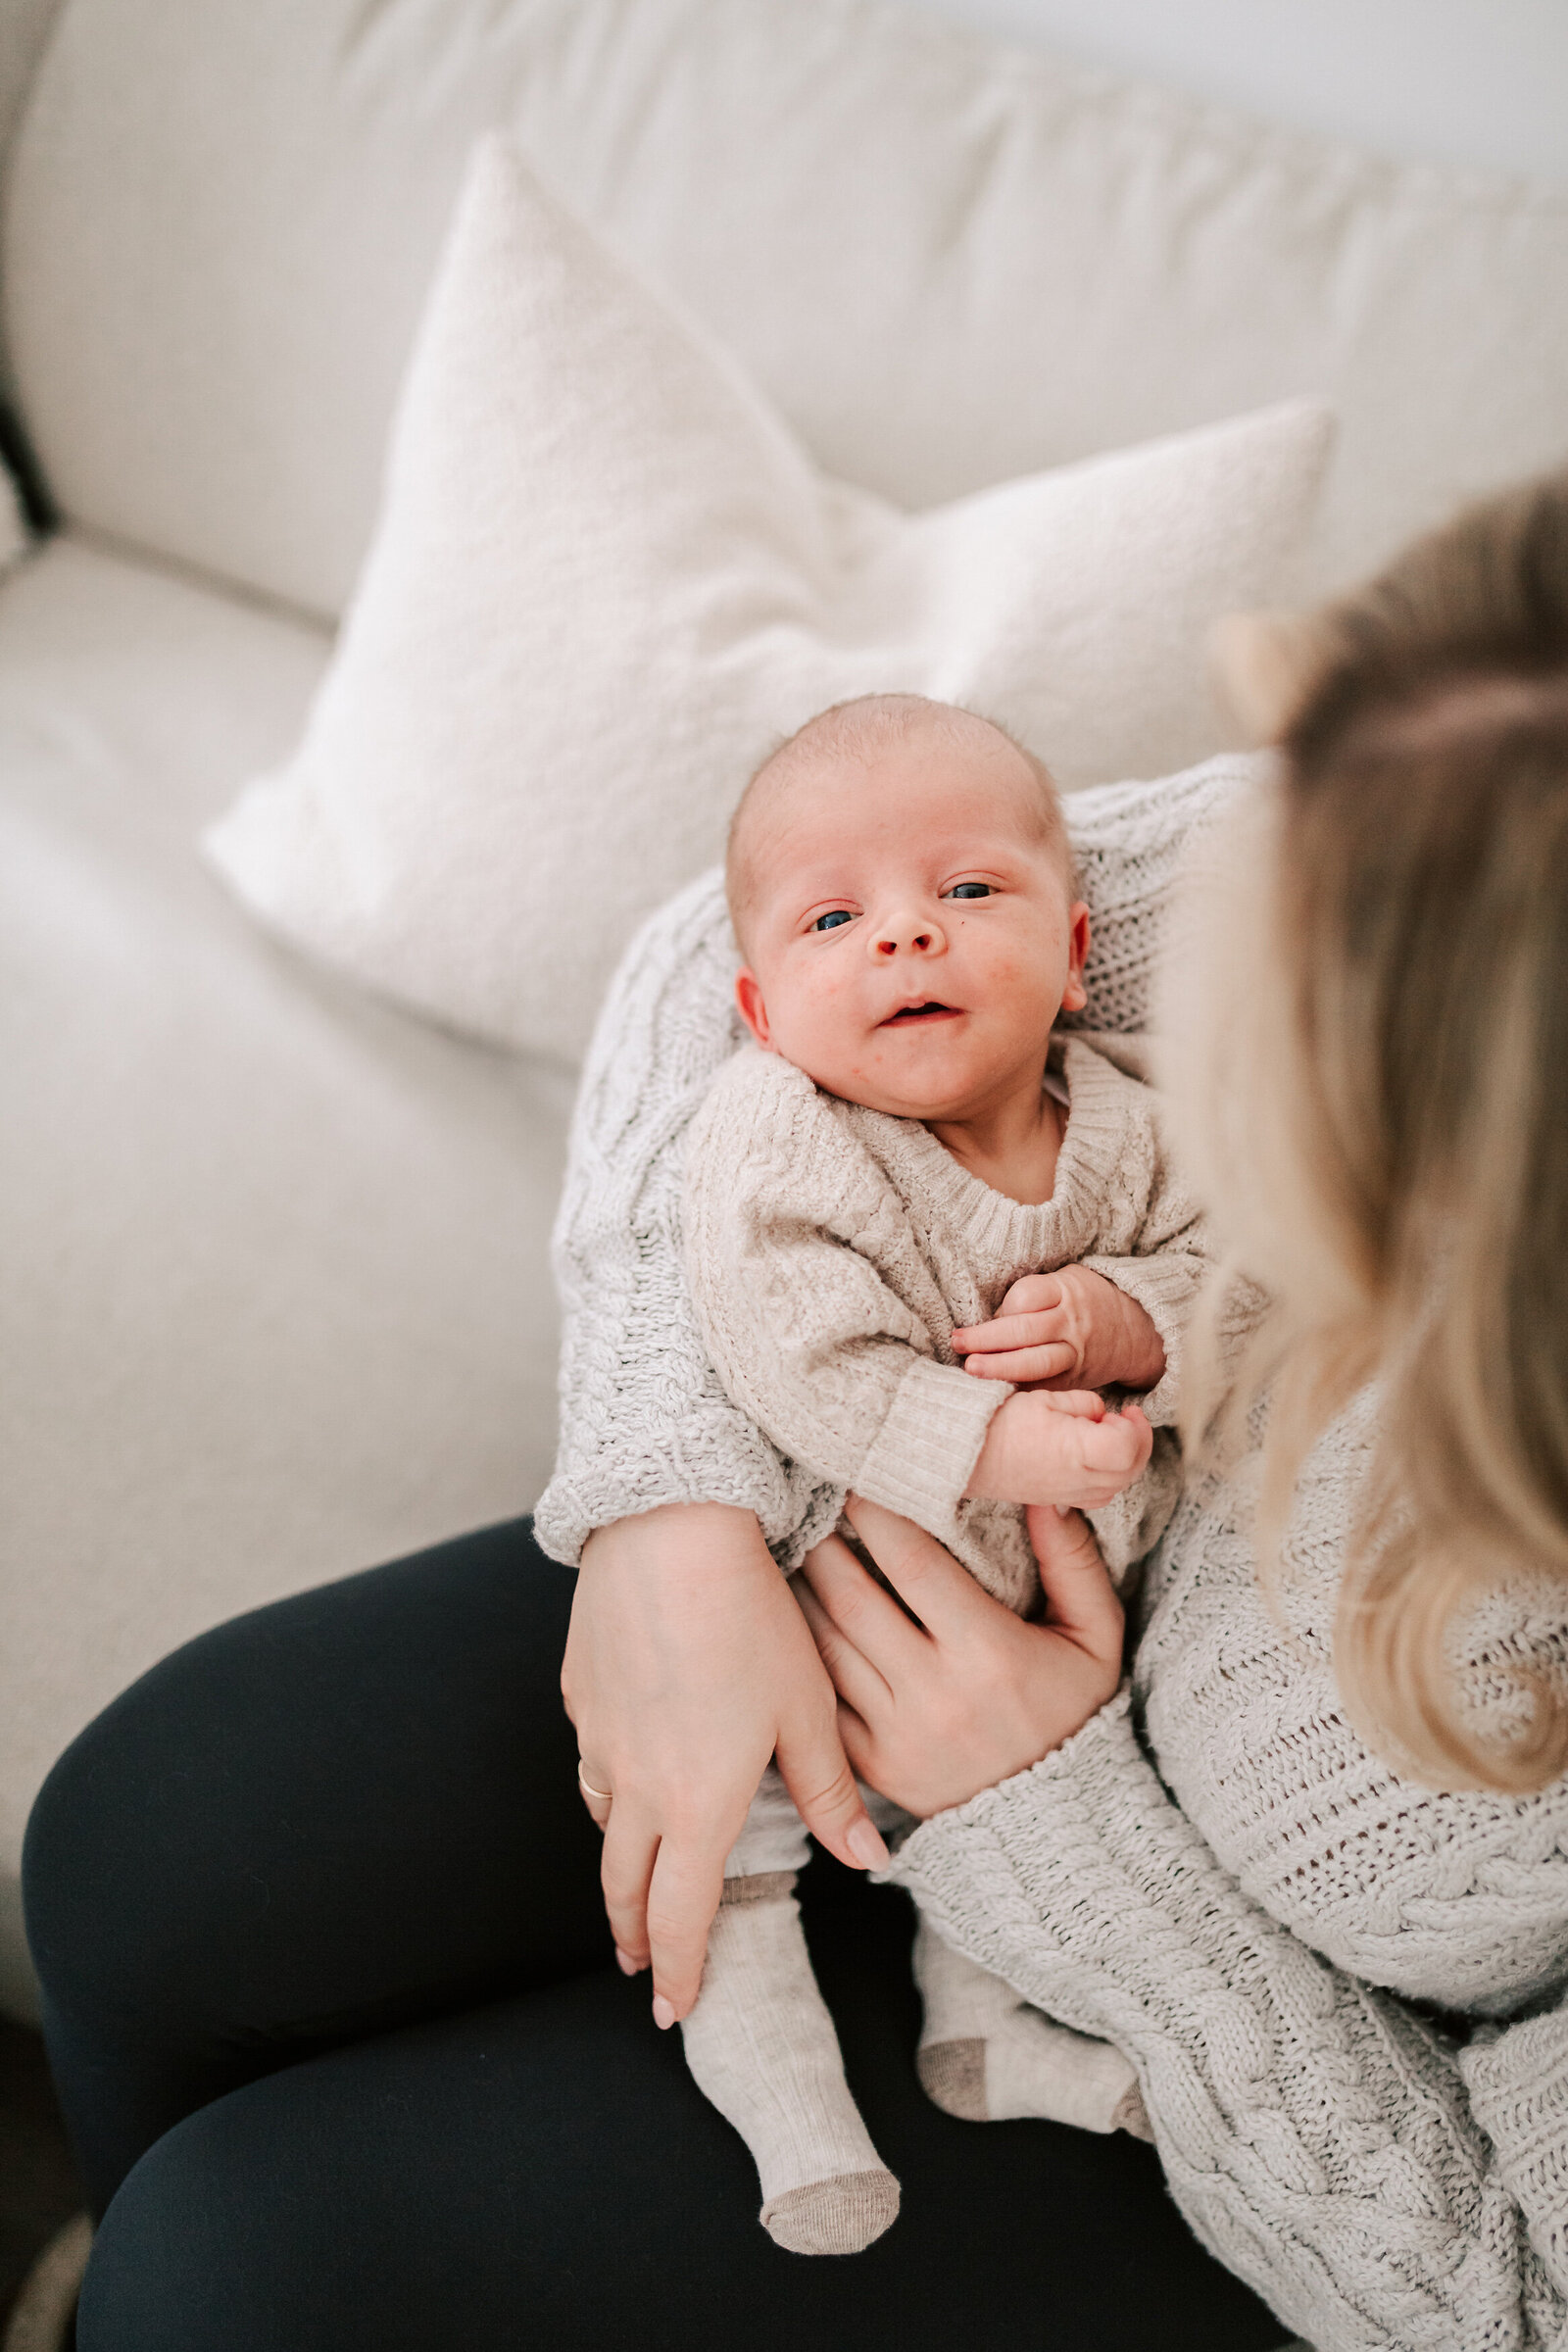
{"points": [[970, 890], [832, 920]]}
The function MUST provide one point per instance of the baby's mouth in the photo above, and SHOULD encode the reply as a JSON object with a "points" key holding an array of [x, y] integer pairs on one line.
{"points": [[929, 1011]]}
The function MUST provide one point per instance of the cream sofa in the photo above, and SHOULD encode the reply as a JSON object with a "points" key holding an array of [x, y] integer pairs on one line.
{"points": [[277, 1280]]}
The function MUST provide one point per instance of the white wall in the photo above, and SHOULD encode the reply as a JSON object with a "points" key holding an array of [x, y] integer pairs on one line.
{"points": [[1481, 81]]}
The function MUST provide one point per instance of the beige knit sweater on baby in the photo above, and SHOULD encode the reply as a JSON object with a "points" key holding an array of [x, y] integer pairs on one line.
{"points": [[832, 1250]]}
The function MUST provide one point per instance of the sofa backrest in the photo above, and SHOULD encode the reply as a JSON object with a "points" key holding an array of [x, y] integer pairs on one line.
{"points": [[948, 259]]}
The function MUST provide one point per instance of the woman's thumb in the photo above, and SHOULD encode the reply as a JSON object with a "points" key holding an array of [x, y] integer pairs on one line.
{"points": [[1080, 1598]]}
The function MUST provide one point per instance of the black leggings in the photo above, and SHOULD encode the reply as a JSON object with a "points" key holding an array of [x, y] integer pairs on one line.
{"points": [[330, 2004]]}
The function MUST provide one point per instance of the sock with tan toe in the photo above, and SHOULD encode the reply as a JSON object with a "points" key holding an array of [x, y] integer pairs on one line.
{"points": [[761, 2046], [987, 2055]]}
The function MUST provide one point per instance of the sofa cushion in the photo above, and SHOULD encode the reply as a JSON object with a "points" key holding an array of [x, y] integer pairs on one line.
{"points": [[13, 528], [607, 581], [277, 1299], [950, 261]]}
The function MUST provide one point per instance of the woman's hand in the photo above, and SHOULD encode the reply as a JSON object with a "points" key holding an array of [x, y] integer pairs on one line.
{"points": [[930, 1713], [687, 1667]]}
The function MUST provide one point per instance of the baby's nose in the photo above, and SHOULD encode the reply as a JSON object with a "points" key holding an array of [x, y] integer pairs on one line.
{"points": [[914, 934]]}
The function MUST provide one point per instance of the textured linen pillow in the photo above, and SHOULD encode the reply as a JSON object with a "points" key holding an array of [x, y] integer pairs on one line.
{"points": [[608, 578]]}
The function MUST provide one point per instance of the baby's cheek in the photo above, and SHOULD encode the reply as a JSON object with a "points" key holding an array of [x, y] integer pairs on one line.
{"points": [[1018, 990], [820, 1034]]}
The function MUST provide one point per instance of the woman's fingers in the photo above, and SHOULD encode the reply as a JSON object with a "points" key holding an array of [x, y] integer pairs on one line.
{"points": [[926, 1577], [860, 1746], [1081, 1600], [688, 1664], [861, 1609], [686, 1884], [593, 1786], [851, 1673], [626, 1871], [816, 1769]]}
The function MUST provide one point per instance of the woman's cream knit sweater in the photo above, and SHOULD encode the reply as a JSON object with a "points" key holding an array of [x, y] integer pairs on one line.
{"points": [[1214, 1873]]}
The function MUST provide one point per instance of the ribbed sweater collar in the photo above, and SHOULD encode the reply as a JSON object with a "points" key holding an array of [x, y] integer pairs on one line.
{"points": [[1001, 1233]]}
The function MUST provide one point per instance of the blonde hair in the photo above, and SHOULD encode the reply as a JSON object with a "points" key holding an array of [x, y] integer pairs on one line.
{"points": [[1384, 1121]]}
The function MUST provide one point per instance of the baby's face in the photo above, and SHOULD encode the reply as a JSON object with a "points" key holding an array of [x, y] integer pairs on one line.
{"points": [[911, 934]]}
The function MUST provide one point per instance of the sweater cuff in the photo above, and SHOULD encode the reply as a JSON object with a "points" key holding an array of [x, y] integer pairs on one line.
{"points": [[991, 1873], [1165, 1287], [1518, 2086], [1107, 1736], [923, 1455]]}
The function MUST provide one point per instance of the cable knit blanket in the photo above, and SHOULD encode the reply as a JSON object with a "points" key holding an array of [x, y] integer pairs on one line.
{"points": [[1343, 1993]]}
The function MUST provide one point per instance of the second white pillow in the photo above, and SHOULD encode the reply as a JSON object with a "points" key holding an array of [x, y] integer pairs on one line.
{"points": [[606, 579]]}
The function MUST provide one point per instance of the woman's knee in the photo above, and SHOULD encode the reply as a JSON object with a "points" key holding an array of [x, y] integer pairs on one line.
{"points": [[203, 2249], [301, 1776], [110, 1865]]}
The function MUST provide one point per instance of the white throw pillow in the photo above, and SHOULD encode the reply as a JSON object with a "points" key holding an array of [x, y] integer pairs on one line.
{"points": [[608, 578]]}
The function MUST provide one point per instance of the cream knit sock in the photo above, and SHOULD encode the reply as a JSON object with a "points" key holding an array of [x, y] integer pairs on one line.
{"points": [[760, 2044], [986, 2055]]}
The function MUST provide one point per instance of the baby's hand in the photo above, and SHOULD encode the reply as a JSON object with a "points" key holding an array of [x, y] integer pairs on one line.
{"points": [[1065, 1449], [1068, 1330]]}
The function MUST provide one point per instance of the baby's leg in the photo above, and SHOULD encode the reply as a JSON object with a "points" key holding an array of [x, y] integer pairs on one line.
{"points": [[986, 2055], [761, 2046]]}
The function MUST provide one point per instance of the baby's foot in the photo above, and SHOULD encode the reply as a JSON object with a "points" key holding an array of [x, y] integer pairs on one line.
{"points": [[760, 2044], [987, 2055]]}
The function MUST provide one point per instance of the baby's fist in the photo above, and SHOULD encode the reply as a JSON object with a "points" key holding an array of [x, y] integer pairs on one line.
{"points": [[1037, 1451], [1068, 1330]]}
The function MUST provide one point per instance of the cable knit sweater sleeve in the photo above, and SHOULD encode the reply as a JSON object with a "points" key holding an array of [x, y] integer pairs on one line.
{"points": [[792, 1229], [643, 1419], [1317, 2136]]}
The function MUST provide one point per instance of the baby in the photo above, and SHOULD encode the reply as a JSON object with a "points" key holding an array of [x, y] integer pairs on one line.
{"points": [[905, 1145]]}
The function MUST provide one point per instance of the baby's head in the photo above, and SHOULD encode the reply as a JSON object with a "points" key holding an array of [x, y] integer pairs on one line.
{"points": [[902, 889]]}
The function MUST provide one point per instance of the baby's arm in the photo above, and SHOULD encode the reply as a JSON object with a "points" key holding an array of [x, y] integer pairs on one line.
{"points": [[808, 1337], [1120, 1316], [792, 1255]]}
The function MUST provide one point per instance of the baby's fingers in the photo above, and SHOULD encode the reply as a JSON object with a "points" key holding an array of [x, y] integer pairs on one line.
{"points": [[1008, 1330], [1079, 1404], [1121, 1442], [1112, 1444], [1023, 1364], [1031, 1294]]}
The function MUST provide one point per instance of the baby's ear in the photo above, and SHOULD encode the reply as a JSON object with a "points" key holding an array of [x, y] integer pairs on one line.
{"points": [[1263, 664], [1075, 997], [749, 1003]]}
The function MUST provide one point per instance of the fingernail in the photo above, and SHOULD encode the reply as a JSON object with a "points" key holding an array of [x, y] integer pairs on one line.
{"points": [[866, 1846], [1061, 1509], [663, 2013], [628, 1965]]}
